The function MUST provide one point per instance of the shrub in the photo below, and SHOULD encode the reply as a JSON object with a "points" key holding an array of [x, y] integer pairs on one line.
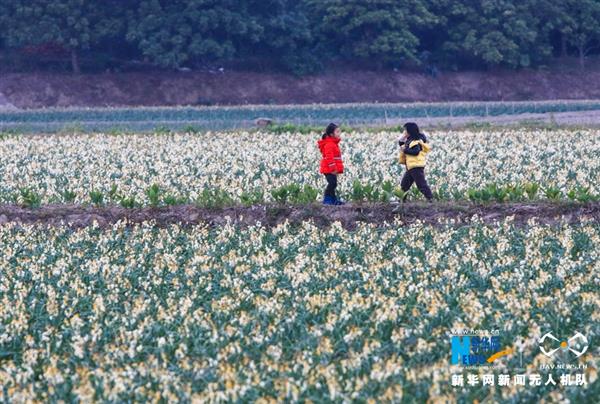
{"points": [[171, 200], [531, 190], [97, 197], [215, 198], [399, 194], [68, 196], [153, 194], [252, 198], [30, 198], [552, 193], [128, 202]]}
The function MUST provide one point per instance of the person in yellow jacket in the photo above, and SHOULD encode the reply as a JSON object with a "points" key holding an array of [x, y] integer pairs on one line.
{"points": [[413, 154]]}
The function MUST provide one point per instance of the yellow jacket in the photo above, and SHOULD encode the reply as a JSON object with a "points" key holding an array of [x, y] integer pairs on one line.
{"points": [[413, 161]]}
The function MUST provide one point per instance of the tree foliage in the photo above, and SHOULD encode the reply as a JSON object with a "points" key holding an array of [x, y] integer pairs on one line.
{"points": [[494, 32], [75, 25], [304, 35], [580, 24], [381, 31], [174, 32]]}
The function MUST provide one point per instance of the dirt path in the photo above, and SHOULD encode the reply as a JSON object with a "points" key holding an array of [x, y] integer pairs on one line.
{"points": [[349, 215], [573, 118]]}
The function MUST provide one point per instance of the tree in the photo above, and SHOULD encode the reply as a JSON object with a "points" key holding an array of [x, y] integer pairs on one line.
{"points": [[579, 23], [76, 25], [3, 23], [173, 33], [493, 32], [378, 31], [303, 35], [286, 37]]}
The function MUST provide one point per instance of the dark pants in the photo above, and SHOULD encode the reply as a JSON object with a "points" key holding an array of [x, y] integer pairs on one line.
{"points": [[331, 185], [416, 175]]}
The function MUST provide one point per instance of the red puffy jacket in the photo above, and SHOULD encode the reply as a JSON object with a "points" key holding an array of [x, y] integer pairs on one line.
{"points": [[332, 157]]}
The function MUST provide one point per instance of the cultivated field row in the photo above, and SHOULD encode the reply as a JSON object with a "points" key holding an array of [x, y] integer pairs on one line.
{"points": [[239, 117], [290, 313], [227, 169]]}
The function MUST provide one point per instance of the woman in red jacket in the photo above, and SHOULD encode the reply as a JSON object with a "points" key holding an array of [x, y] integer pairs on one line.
{"points": [[331, 163]]}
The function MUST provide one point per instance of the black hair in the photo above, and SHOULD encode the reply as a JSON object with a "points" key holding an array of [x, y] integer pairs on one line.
{"points": [[412, 129], [329, 130]]}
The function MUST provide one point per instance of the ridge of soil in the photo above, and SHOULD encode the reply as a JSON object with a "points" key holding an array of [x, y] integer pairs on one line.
{"points": [[461, 213], [159, 88]]}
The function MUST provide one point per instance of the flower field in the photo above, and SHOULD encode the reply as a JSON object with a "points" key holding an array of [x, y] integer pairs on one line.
{"points": [[135, 313], [299, 310], [107, 168]]}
